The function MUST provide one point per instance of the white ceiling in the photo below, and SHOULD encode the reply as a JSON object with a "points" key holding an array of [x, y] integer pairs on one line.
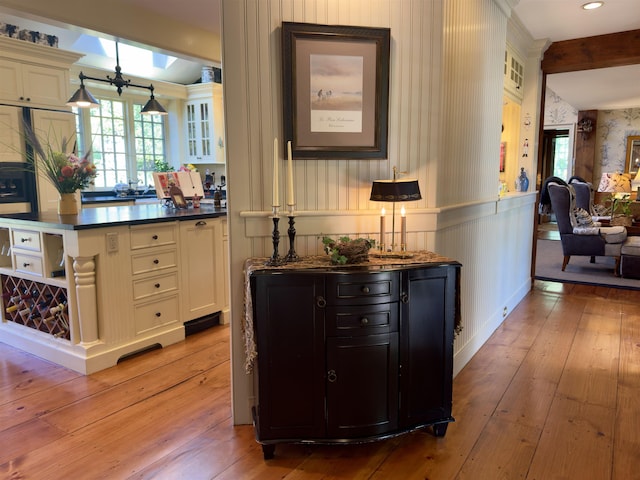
{"points": [[553, 19], [557, 20]]}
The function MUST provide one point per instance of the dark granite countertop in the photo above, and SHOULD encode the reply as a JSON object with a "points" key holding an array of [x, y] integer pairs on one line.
{"points": [[108, 197], [114, 216]]}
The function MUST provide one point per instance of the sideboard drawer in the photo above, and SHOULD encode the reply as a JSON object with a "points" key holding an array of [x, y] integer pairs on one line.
{"points": [[155, 285], [151, 262], [362, 319], [27, 240], [28, 264], [363, 289]]}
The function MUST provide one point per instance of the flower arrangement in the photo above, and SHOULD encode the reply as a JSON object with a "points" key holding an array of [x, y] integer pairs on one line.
{"points": [[66, 171]]}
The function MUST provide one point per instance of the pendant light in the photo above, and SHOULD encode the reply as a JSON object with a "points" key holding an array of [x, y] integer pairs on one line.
{"points": [[83, 98]]}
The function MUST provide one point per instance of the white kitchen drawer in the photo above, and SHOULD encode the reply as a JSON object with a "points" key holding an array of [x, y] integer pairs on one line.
{"points": [[27, 240], [153, 236], [28, 264], [152, 315], [152, 262], [155, 285]]}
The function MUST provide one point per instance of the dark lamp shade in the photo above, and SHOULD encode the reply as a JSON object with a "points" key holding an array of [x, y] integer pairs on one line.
{"points": [[153, 107], [406, 190], [83, 99]]}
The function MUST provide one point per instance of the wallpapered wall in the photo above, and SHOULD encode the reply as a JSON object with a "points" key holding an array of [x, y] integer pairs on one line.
{"points": [[557, 111], [613, 128]]}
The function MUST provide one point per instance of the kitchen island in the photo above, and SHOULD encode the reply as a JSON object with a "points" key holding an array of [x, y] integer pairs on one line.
{"points": [[86, 290]]}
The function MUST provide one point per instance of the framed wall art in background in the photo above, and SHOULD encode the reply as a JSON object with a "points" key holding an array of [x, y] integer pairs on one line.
{"points": [[335, 90]]}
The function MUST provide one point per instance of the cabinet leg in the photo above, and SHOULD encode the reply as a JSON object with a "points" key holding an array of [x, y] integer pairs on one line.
{"points": [[440, 429], [268, 451]]}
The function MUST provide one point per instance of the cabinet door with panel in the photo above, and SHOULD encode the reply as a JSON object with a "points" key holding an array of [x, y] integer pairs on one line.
{"points": [[426, 346], [289, 330], [202, 268], [51, 127]]}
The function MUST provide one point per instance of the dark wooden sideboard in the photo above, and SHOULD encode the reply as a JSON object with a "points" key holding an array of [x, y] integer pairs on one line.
{"points": [[353, 354]]}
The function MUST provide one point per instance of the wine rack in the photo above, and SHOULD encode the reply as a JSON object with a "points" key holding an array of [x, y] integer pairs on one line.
{"points": [[36, 305]]}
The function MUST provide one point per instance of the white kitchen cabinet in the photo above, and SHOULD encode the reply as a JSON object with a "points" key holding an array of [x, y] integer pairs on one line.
{"points": [[51, 127], [124, 288], [513, 73], [204, 124], [202, 267], [34, 75], [11, 141]]}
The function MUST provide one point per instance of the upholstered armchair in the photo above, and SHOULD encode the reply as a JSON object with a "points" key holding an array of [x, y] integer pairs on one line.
{"points": [[592, 240]]}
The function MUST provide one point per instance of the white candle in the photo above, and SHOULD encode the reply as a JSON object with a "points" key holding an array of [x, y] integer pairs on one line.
{"points": [[403, 229], [382, 232], [276, 201], [289, 176]]}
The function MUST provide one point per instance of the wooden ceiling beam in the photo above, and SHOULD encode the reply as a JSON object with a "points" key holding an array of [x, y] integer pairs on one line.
{"points": [[601, 51]]}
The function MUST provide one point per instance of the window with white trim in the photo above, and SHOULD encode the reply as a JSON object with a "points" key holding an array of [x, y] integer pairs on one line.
{"points": [[125, 145]]}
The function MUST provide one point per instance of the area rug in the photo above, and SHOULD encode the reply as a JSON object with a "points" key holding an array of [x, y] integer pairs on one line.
{"points": [[579, 270]]}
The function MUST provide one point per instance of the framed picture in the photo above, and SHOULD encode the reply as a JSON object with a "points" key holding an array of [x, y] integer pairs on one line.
{"points": [[177, 197], [335, 90]]}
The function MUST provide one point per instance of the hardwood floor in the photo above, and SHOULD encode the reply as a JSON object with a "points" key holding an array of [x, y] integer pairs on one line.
{"points": [[553, 394]]}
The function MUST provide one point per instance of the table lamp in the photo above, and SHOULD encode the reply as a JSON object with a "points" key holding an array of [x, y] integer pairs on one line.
{"points": [[395, 190]]}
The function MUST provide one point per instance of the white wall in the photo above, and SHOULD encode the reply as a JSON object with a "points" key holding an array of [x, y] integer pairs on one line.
{"points": [[445, 116]]}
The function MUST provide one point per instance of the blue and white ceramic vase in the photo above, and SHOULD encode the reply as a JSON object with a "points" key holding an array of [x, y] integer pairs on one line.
{"points": [[524, 181]]}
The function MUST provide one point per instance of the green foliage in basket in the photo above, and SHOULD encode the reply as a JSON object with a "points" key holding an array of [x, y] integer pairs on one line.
{"points": [[345, 250]]}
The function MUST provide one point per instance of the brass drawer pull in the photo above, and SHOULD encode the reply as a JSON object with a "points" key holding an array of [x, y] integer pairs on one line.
{"points": [[156, 261], [332, 376], [365, 289], [155, 237], [157, 285], [201, 223], [364, 321], [321, 302], [158, 314]]}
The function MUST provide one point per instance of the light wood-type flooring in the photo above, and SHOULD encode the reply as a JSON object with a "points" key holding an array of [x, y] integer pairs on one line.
{"points": [[553, 394]]}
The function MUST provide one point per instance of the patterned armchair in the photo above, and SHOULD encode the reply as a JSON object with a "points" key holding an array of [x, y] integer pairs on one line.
{"points": [[593, 241]]}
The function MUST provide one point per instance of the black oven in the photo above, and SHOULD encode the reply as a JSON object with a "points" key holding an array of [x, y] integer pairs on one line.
{"points": [[17, 184]]}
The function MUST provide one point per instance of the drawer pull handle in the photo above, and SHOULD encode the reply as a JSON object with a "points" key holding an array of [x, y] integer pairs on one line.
{"points": [[364, 321], [365, 289], [155, 237], [332, 376], [28, 239], [321, 302], [201, 223], [25, 265], [158, 314], [156, 261], [157, 285], [404, 297]]}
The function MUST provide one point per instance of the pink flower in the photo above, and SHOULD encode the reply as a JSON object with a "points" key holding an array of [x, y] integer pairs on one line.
{"points": [[66, 171]]}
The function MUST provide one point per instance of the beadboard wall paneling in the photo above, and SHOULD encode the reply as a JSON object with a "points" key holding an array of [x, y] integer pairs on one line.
{"points": [[474, 44], [495, 273]]}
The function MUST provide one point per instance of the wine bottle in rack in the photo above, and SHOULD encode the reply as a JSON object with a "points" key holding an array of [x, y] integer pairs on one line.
{"points": [[58, 308]]}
